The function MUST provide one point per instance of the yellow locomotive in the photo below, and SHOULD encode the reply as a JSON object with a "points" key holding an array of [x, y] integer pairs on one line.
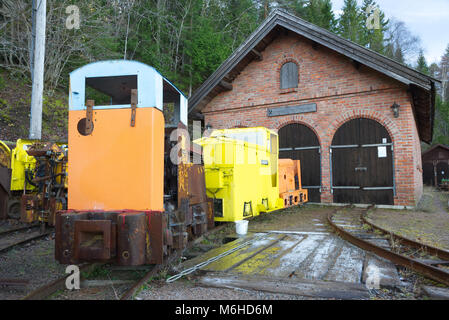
{"points": [[242, 172]]}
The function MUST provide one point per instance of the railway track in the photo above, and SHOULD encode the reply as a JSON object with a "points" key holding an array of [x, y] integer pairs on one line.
{"points": [[426, 260], [18, 236], [47, 290]]}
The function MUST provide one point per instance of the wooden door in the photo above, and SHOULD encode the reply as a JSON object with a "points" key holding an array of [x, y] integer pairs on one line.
{"points": [[362, 163], [442, 171], [428, 174], [298, 142]]}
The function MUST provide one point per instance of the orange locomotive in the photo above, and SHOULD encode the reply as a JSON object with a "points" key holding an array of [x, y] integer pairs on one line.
{"points": [[290, 188], [119, 208]]}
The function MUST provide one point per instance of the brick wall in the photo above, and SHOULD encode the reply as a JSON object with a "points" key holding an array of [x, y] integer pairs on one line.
{"points": [[341, 91]]}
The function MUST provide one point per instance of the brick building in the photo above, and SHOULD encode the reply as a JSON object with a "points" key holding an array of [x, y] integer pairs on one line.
{"points": [[353, 117]]}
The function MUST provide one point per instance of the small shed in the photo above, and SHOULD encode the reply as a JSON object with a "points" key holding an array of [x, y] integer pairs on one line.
{"points": [[435, 165]]}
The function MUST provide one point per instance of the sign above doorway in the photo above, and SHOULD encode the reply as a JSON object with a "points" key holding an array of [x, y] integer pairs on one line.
{"points": [[283, 111]]}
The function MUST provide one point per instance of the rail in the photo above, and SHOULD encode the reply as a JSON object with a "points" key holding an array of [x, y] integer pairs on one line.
{"points": [[427, 268]]}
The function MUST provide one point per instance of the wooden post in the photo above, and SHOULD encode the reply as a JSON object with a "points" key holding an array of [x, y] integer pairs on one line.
{"points": [[435, 175], [38, 71], [33, 36]]}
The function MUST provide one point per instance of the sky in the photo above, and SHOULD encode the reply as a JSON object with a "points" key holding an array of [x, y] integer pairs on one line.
{"points": [[427, 19]]}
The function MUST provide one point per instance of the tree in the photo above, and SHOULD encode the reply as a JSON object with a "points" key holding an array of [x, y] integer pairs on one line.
{"points": [[373, 36], [320, 12], [444, 75], [441, 129], [299, 8], [350, 22], [434, 70], [401, 44], [421, 64]]}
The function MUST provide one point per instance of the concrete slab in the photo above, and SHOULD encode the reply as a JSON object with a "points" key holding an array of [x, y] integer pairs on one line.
{"points": [[288, 263], [380, 271], [269, 257], [348, 267], [235, 259], [318, 263], [435, 293], [217, 251], [299, 287], [302, 256]]}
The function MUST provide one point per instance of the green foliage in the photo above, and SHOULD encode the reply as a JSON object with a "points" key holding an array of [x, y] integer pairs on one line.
{"points": [[206, 50], [4, 111], [421, 64], [441, 128], [373, 39], [54, 117], [2, 82], [350, 24], [100, 98], [320, 12]]}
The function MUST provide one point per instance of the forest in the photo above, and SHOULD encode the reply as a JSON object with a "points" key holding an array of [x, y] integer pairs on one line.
{"points": [[186, 40]]}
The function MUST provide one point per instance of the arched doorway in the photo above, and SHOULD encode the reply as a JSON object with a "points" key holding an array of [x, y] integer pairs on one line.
{"points": [[299, 142], [362, 163]]}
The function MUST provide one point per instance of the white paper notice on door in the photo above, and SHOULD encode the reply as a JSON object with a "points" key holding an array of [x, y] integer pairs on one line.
{"points": [[382, 152]]}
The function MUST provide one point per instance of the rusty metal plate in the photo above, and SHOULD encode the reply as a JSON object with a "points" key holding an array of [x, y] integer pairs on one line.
{"points": [[133, 107], [5, 183], [158, 225], [28, 205], [191, 183], [132, 238], [93, 240]]}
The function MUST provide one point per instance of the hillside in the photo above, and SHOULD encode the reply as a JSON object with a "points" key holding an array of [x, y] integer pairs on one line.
{"points": [[15, 98]]}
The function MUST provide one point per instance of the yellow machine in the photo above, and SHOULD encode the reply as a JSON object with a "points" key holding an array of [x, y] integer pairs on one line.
{"points": [[5, 155], [241, 167], [21, 165], [26, 179]]}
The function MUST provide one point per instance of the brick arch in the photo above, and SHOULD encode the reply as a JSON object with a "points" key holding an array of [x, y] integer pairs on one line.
{"points": [[286, 59], [389, 125], [299, 120]]}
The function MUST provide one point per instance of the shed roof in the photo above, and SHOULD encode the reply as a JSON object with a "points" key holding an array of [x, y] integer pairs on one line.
{"points": [[422, 86], [437, 146]]}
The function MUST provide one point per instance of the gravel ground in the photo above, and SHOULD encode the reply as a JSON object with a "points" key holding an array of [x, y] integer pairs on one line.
{"points": [[34, 262], [429, 223], [10, 223], [293, 219], [187, 290]]}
